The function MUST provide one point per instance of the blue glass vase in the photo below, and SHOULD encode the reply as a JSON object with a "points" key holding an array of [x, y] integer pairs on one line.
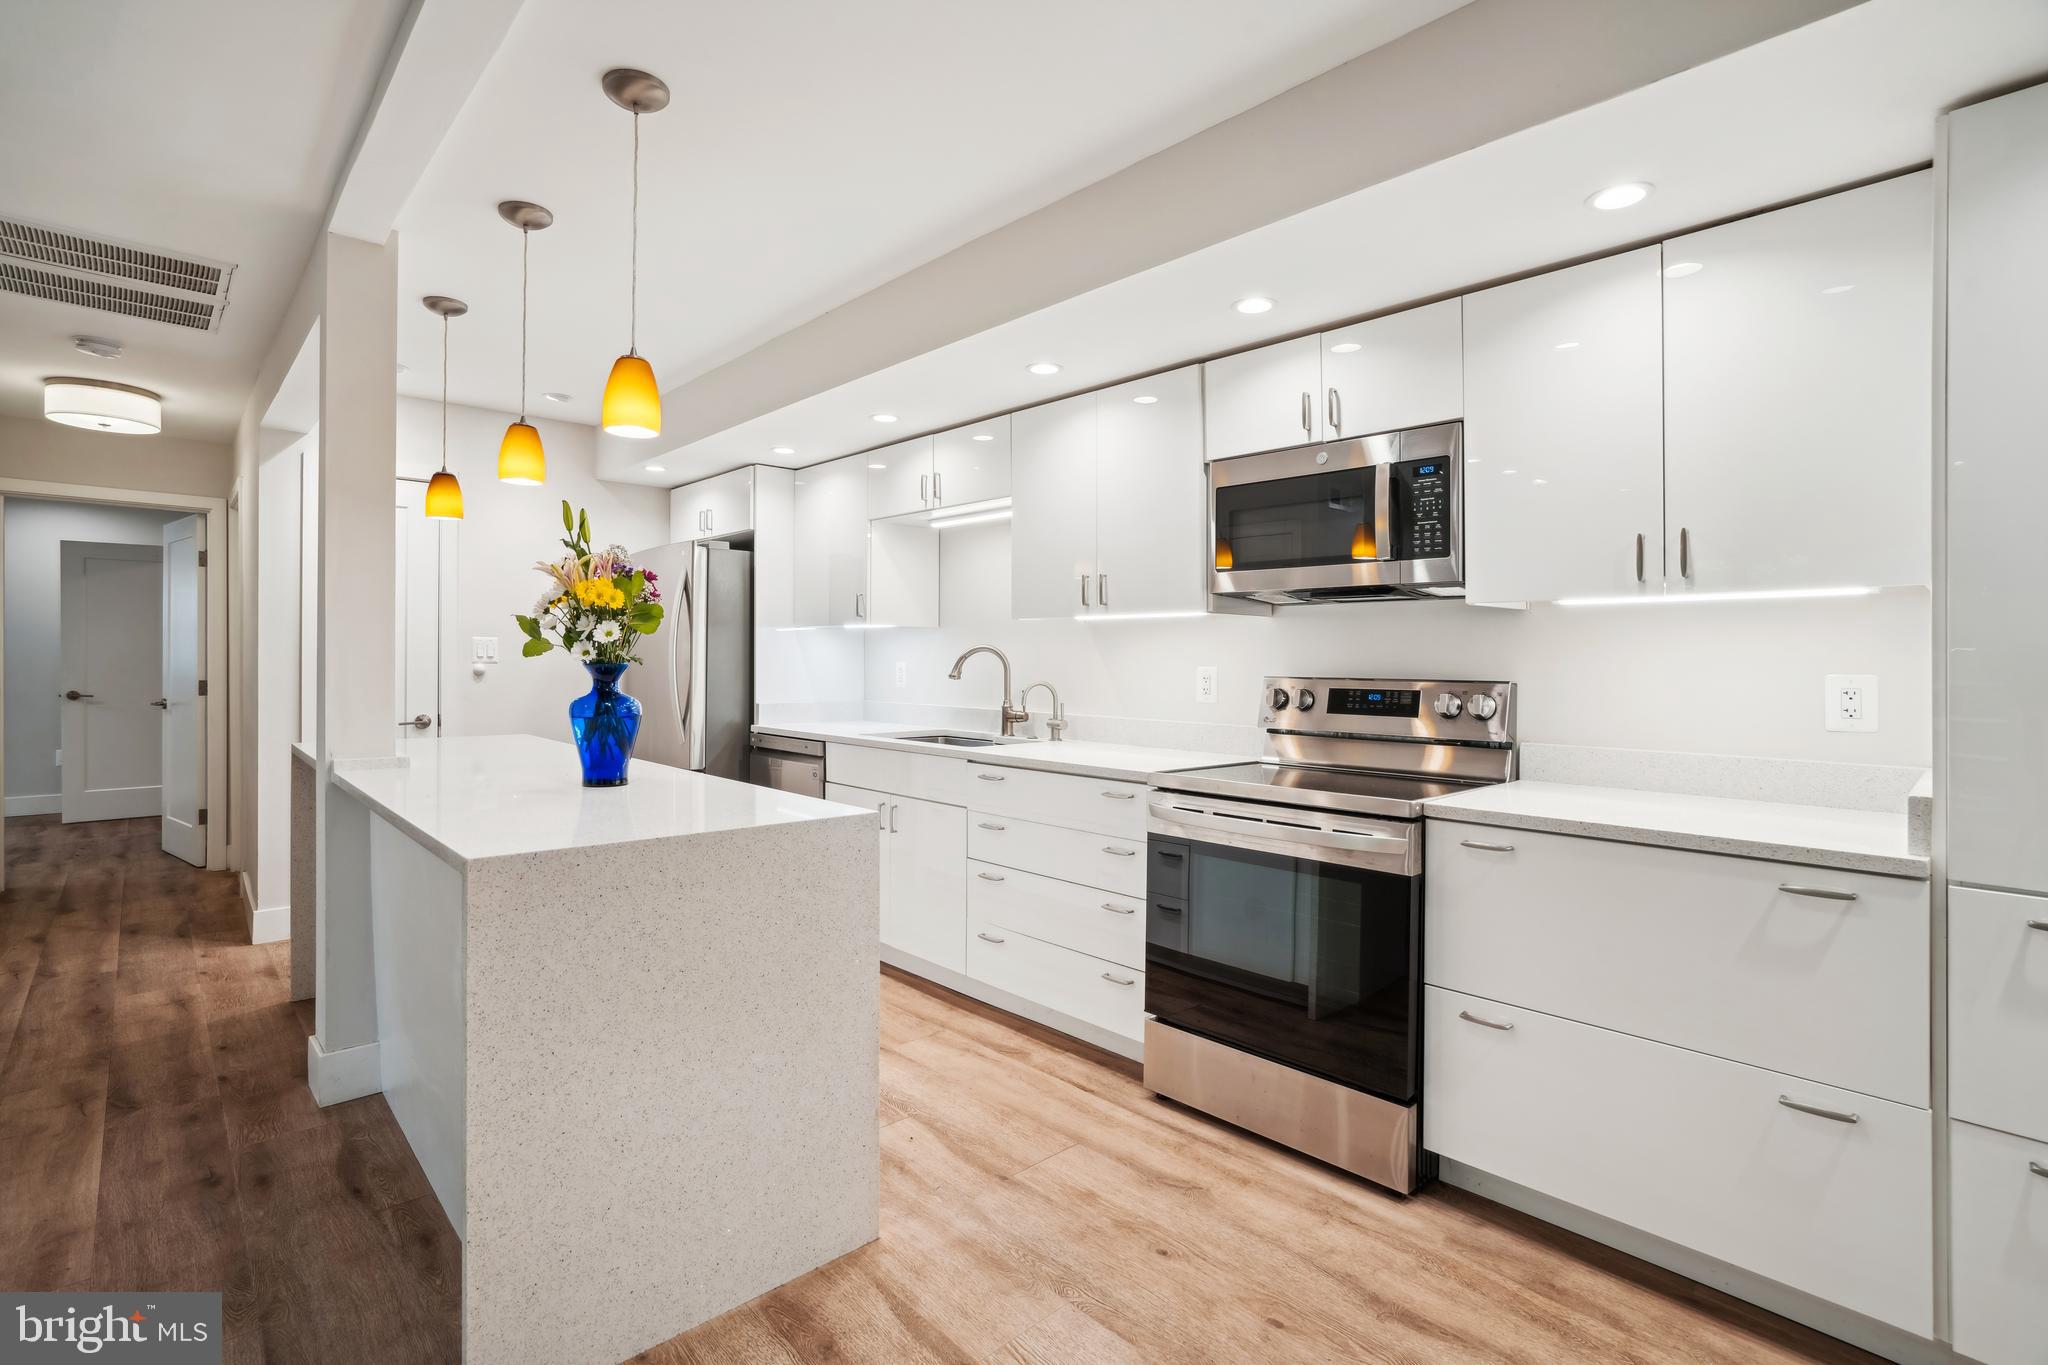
{"points": [[604, 722]]}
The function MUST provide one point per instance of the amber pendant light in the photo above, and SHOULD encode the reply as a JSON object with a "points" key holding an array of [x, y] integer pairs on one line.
{"points": [[444, 492], [521, 459], [632, 400]]}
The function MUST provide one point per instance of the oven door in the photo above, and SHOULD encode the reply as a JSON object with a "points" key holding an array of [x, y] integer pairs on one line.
{"points": [[1293, 935]]}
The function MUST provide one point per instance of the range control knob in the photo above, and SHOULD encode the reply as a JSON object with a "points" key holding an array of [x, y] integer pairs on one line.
{"points": [[1482, 705], [1305, 700], [1448, 706], [1281, 696]]}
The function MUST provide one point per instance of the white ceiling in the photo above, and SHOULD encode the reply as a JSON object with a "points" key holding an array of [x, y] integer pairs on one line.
{"points": [[211, 127], [1848, 97], [813, 151]]}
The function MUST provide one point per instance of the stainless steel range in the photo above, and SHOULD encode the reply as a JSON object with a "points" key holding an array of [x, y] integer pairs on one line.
{"points": [[1284, 914]]}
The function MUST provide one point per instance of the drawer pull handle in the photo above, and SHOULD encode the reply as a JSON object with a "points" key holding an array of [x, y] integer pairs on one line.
{"points": [[1166, 909], [1168, 853], [2037, 1168], [1120, 980], [987, 938], [1115, 852], [1121, 796], [1837, 1115], [2041, 924], [997, 828], [990, 777], [1825, 893], [1486, 848], [1116, 909], [1469, 1017], [988, 876]]}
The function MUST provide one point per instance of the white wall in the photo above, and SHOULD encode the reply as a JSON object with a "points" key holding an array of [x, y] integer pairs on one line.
{"points": [[1734, 678], [35, 530], [505, 530], [282, 689], [34, 448]]}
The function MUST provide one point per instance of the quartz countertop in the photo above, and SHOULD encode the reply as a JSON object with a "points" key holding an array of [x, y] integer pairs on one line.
{"points": [[495, 796], [1080, 757], [1814, 836]]}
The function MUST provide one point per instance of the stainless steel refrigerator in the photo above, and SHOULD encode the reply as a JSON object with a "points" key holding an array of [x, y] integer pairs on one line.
{"points": [[696, 681]]}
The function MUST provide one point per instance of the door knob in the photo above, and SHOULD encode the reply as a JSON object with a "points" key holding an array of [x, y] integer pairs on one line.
{"points": [[422, 721], [75, 695], [161, 704]]}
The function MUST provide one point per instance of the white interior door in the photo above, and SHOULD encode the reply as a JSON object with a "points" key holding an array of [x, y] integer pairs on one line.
{"points": [[183, 736], [418, 684], [109, 640]]}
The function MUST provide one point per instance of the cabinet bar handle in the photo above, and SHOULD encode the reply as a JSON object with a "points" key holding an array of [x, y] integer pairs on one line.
{"points": [[1084, 590], [2041, 924], [2037, 1168], [1684, 552], [998, 828], [1116, 909], [1469, 1017], [1486, 848], [987, 938], [1335, 410], [1639, 556], [1119, 852], [1121, 796], [1307, 412], [1825, 893], [937, 479], [1102, 590], [988, 876], [990, 777], [860, 605], [1119, 980], [1837, 1115], [924, 488], [892, 817]]}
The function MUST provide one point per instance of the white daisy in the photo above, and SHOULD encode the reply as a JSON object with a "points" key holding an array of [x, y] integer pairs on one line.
{"points": [[584, 650], [607, 632], [586, 623]]}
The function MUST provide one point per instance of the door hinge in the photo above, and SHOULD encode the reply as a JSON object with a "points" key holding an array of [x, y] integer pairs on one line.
{"points": [[202, 687], [202, 559], [202, 815]]}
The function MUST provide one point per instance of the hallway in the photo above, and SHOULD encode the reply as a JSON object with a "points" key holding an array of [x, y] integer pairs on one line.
{"points": [[159, 1131]]}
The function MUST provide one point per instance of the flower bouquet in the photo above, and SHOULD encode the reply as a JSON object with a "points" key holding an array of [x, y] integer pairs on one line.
{"points": [[597, 607]]}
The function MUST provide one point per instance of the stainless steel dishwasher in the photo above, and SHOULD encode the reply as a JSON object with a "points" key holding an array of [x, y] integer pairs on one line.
{"points": [[787, 764]]}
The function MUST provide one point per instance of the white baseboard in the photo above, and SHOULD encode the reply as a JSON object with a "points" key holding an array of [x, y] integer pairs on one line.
{"points": [[337, 1077], [270, 924], [1132, 1048], [52, 804]]}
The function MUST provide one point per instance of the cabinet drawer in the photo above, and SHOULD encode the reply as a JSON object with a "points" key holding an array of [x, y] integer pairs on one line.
{"points": [[1078, 917], [1072, 855], [1707, 952], [1691, 1148], [1998, 1010], [924, 776], [1998, 1201], [1101, 993], [1070, 802]]}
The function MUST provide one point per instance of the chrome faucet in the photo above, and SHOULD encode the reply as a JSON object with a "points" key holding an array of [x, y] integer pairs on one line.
{"points": [[1056, 723], [1011, 715]]}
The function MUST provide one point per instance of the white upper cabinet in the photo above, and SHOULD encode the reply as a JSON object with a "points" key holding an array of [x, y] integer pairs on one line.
{"points": [[903, 575], [1265, 399], [971, 464], [830, 544], [1403, 370], [900, 478], [1052, 489], [1798, 355], [1151, 496], [1564, 453], [722, 505]]}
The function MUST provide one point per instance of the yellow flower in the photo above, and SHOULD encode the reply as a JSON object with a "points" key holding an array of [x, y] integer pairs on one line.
{"points": [[598, 592]]}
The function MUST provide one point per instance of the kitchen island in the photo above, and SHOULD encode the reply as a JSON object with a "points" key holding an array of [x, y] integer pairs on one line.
{"points": [[630, 1033]]}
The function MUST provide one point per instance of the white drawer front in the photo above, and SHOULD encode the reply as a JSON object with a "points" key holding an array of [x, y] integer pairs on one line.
{"points": [[1083, 918], [1070, 802], [1104, 994], [1072, 855], [1691, 1148], [1998, 1012], [925, 776], [1999, 1215], [1708, 952]]}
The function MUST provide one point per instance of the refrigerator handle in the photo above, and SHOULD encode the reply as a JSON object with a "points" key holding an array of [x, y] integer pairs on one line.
{"points": [[693, 711]]}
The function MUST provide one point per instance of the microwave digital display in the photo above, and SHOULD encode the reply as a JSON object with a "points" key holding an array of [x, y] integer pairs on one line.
{"points": [[1374, 701]]}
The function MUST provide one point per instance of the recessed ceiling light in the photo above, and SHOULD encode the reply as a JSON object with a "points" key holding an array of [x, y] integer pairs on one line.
{"points": [[97, 346], [878, 466], [983, 436], [1344, 348], [657, 469], [1043, 367], [556, 397], [1255, 303], [1145, 398], [1622, 196], [1511, 471], [1678, 270], [783, 450], [1838, 289], [885, 417], [1566, 346]]}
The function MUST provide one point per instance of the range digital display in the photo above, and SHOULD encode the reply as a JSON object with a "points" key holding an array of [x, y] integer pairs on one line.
{"points": [[1374, 701]]}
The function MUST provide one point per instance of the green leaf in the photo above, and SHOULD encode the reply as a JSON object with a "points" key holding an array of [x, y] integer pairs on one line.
{"points": [[535, 648], [528, 625], [645, 617]]}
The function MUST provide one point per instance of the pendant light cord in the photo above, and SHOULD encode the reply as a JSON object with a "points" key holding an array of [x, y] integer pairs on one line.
{"points": [[525, 242], [633, 289], [444, 393]]}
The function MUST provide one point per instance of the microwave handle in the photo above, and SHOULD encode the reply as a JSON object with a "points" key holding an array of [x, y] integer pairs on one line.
{"points": [[1382, 511]]}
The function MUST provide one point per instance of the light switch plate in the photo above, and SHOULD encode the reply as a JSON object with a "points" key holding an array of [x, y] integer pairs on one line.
{"points": [[483, 649], [1849, 702], [1205, 683], [902, 673]]}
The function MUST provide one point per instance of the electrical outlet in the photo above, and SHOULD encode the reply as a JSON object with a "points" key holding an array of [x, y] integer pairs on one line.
{"points": [[483, 649], [902, 673], [1850, 702], [1205, 683], [60, 758]]}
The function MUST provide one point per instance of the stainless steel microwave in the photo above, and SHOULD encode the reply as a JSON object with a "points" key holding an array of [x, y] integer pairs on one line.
{"points": [[1379, 516]]}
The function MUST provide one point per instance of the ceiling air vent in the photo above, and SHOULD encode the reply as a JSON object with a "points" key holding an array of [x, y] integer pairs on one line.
{"points": [[53, 263]]}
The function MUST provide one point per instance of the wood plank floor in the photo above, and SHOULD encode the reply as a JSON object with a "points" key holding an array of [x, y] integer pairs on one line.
{"points": [[1038, 1206]]}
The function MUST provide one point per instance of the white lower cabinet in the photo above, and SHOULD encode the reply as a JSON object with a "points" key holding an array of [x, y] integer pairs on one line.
{"points": [[1086, 919], [1072, 855], [1998, 1010], [1998, 1207], [924, 865], [1709, 1154], [1097, 804], [1106, 994]]}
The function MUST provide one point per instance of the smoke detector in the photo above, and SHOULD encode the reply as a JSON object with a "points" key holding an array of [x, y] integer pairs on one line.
{"points": [[97, 346]]}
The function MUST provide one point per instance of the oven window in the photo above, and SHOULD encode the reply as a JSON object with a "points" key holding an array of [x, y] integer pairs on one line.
{"points": [[1320, 518], [1307, 963]]}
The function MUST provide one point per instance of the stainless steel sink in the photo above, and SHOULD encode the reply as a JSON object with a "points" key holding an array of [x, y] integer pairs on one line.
{"points": [[955, 741]]}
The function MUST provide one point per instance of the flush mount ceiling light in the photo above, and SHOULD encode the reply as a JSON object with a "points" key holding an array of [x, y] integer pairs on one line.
{"points": [[782, 450], [521, 457], [444, 492], [1043, 367], [1678, 270], [98, 347], [885, 417], [1255, 303], [1344, 348], [1623, 196], [632, 400], [100, 405]]}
